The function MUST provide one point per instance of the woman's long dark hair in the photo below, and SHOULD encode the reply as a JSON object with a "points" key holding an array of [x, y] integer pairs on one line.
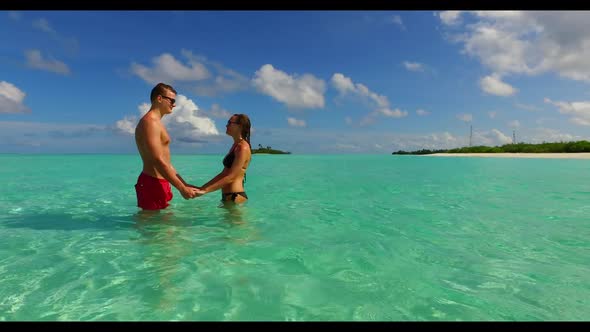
{"points": [[244, 122]]}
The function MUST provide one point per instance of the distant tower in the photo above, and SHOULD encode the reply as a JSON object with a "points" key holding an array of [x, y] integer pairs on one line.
{"points": [[470, 134], [514, 137]]}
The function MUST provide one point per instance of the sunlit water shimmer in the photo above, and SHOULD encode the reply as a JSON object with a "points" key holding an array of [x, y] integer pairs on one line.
{"points": [[340, 237]]}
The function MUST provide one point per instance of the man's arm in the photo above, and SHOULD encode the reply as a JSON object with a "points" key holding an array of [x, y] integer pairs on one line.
{"points": [[155, 149], [217, 177], [185, 183]]}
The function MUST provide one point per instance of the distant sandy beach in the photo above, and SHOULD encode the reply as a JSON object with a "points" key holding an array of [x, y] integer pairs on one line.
{"points": [[582, 155]]}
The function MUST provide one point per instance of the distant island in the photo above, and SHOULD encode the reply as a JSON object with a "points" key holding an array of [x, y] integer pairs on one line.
{"points": [[268, 150], [561, 147]]}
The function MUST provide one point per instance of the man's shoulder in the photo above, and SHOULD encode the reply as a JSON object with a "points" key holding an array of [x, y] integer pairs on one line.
{"points": [[148, 120], [148, 127]]}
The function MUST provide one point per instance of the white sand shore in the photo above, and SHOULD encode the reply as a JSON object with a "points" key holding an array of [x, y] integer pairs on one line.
{"points": [[581, 155]]}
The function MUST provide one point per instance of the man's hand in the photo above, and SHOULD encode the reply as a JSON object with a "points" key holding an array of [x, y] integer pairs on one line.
{"points": [[200, 192], [189, 192]]}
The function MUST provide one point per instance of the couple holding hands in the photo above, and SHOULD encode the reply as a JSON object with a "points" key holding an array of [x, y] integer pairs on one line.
{"points": [[153, 142]]}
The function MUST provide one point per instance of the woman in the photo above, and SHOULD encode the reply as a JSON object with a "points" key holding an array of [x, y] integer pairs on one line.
{"points": [[231, 179]]}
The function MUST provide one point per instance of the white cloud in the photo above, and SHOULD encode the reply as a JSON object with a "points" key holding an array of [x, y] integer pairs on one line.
{"points": [[11, 99], [443, 137], [127, 124], [499, 49], [210, 78], [380, 100], [218, 112], [540, 135], [514, 124], [345, 86], [465, 117], [493, 137], [220, 85], [342, 83], [450, 17], [167, 69], [348, 120], [499, 138], [499, 14], [361, 89], [43, 25], [185, 124], [306, 91], [296, 123], [413, 66], [493, 85], [432, 141], [188, 122], [35, 60], [396, 19], [422, 112], [11, 92], [579, 110], [392, 113], [529, 42], [69, 43], [534, 136], [223, 80], [492, 114]]}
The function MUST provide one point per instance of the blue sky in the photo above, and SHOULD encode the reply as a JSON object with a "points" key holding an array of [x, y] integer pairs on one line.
{"points": [[311, 81]]}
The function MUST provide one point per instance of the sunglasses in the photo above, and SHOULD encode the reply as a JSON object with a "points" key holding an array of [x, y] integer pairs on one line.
{"points": [[230, 122], [172, 101]]}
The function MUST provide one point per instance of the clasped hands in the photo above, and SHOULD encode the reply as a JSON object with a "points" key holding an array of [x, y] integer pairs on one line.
{"points": [[192, 192]]}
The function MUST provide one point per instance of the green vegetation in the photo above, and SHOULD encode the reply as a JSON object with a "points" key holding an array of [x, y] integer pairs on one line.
{"points": [[560, 147], [268, 150], [423, 151]]}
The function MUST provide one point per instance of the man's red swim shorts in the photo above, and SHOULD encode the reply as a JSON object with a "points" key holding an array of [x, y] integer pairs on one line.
{"points": [[152, 193]]}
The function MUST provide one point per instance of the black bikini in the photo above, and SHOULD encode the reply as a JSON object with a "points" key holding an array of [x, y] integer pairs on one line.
{"points": [[227, 162], [229, 159], [233, 196]]}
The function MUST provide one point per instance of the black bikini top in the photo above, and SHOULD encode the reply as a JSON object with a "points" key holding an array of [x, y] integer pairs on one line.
{"points": [[229, 159]]}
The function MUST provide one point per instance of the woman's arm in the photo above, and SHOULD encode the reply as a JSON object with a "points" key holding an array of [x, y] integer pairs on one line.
{"points": [[216, 178]]}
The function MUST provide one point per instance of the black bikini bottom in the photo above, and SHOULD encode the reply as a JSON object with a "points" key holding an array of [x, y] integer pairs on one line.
{"points": [[233, 196]]}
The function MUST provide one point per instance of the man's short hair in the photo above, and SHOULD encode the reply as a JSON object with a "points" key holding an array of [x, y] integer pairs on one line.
{"points": [[160, 89]]}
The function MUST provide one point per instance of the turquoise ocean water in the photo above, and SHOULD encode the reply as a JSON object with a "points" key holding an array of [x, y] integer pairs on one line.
{"points": [[340, 237]]}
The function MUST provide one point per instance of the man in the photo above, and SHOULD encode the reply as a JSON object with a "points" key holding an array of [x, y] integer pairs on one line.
{"points": [[153, 184]]}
